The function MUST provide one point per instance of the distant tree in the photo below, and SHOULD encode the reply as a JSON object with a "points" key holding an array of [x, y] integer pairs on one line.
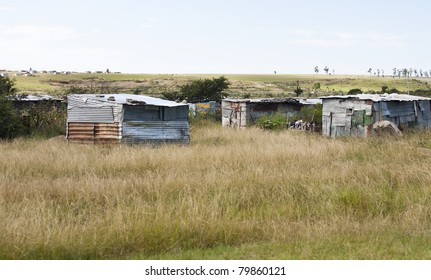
{"points": [[354, 91], [394, 72], [370, 71], [326, 69], [298, 91], [393, 90], [316, 69], [201, 90], [378, 72]]}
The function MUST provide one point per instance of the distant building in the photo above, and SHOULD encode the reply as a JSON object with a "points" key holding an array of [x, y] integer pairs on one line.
{"points": [[126, 118], [241, 113], [355, 115]]}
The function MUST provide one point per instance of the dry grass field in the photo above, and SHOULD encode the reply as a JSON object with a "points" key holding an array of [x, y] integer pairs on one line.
{"points": [[248, 194]]}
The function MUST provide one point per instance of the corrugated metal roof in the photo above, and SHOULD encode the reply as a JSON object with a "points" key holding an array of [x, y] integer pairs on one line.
{"points": [[30, 97], [305, 101], [379, 97], [129, 99]]}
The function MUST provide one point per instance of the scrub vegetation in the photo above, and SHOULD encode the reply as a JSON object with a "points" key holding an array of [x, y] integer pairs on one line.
{"points": [[241, 86], [230, 194]]}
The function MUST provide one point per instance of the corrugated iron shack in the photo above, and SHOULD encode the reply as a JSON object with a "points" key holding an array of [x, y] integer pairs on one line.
{"points": [[26, 101], [240, 113], [355, 114], [126, 118]]}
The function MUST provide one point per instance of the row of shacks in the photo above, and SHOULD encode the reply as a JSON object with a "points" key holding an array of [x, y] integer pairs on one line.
{"points": [[134, 119], [343, 115]]}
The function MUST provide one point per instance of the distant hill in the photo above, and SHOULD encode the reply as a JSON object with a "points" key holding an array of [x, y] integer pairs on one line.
{"points": [[247, 85]]}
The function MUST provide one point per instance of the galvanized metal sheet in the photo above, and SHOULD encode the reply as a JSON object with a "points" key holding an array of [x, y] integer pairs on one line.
{"points": [[378, 97], [155, 131], [90, 115]]}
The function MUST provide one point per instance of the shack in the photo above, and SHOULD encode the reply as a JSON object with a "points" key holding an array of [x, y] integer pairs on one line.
{"points": [[355, 115], [24, 102], [240, 113], [126, 118]]}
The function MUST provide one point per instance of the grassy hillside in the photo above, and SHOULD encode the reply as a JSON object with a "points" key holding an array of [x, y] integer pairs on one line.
{"points": [[241, 85], [248, 194]]}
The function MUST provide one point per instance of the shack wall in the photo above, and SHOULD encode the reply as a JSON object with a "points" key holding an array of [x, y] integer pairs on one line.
{"points": [[234, 114], [342, 117], [155, 124]]}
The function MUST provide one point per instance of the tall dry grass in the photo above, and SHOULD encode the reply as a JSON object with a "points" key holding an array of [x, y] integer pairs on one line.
{"points": [[227, 188]]}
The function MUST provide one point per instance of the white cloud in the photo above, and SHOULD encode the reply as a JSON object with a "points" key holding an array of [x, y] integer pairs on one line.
{"points": [[28, 34], [150, 23], [345, 39], [6, 8]]}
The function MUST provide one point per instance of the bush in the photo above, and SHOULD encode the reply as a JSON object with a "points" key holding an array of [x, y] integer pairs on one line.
{"points": [[274, 121], [10, 123], [354, 91], [201, 90], [312, 113]]}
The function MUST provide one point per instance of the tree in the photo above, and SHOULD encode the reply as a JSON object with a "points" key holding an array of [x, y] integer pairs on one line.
{"points": [[201, 90], [10, 123], [326, 69], [316, 69], [7, 87], [298, 90], [370, 70]]}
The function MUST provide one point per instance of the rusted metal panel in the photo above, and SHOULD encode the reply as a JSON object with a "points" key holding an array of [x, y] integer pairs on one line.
{"points": [[93, 133]]}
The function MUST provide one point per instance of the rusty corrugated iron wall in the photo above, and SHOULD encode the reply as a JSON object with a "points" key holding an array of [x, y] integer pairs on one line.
{"points": [[93, 133]]}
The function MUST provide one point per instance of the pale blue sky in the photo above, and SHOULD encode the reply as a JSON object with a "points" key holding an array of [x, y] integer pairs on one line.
{"points": [[235, 36]]}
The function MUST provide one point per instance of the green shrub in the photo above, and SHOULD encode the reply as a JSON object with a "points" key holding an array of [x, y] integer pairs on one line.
{"points": [[354, 91], [274, 121], [312, 113]]}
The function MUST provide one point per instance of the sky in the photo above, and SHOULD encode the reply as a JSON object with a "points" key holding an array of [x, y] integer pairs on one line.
{"points": [[215, 37]]}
